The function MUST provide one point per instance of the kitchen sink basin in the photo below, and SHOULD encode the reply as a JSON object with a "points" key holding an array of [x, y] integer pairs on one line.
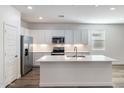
{"points": [[75, 56]]}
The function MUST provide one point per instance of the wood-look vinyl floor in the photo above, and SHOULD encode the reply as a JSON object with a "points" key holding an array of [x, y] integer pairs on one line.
{"points": [[31, 80]]}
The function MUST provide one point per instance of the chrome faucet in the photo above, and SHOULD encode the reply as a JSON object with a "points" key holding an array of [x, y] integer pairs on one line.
{"points": [[75, 50]]}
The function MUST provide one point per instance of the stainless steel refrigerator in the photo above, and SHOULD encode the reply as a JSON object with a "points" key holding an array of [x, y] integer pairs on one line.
{"points": [[26, 54]]}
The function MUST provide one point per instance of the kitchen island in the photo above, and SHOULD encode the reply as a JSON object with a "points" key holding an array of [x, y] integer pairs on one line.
{"points": [[64, 71]]}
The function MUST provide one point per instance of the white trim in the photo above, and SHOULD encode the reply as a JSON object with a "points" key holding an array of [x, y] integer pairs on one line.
{"points": [[10, 25], [76, 84], [19, 75], [3, 85]]}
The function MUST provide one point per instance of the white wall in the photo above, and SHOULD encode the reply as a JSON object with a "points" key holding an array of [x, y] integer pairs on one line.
{"points": [[114, 36], [11, 16], [1, 51], [24, 24], [24, 28], [25, 31], [66, 26]]}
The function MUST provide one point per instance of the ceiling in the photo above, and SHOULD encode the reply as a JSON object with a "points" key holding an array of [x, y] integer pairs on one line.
{"points": [[72, 14]]}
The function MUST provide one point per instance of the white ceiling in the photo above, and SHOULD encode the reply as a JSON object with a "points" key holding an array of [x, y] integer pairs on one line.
{"points": [[72, 14]]}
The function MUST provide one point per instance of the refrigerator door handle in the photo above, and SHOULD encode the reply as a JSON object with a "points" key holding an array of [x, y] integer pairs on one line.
{"points": [[26, 52], [16, 56]]}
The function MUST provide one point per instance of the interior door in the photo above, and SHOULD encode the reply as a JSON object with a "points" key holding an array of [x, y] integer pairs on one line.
{"points": [[10, 41]]}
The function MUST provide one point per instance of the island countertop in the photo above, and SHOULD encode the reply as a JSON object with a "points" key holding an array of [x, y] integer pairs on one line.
{"points": [[65, 58]]}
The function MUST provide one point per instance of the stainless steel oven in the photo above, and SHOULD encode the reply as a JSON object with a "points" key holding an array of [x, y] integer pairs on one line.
{"points": [[58, 51]]}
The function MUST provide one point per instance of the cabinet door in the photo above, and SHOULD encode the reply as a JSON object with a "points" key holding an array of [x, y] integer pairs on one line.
{"points": [[48, 37], [69, 37], [84, 37], [58, 33], [81, 37], [34, 35], [77, 37], [38, 36], [41, 37]]}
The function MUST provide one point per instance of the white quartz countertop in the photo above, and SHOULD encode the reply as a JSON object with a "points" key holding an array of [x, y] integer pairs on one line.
{"points": [[87, 58]]}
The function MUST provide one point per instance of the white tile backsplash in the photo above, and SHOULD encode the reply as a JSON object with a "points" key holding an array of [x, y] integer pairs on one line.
{"points": [[68, 47]]}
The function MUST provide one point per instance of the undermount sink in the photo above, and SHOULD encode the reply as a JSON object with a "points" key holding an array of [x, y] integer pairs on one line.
{"points": [[75, 56]]}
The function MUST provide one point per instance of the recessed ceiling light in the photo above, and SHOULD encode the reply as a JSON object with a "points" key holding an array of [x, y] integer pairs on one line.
{"points": [[40, 18], [96, 5], [61, 16], [29, 7], [112, 8]]}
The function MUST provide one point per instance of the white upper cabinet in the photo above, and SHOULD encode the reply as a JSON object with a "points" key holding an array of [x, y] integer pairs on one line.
{"points": [[39, 36], [81, 37], [57, 33], [34, 34], [77, 37], [84, 37], [48, 36], [69, 37]]}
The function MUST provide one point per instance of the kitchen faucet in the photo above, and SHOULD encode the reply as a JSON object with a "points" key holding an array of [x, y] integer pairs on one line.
{"points": [[75, 50]]}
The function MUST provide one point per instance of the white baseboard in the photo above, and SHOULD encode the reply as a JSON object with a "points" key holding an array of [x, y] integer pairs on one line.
{"points": [[2, 86], [76, 84], [19, 75]]}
